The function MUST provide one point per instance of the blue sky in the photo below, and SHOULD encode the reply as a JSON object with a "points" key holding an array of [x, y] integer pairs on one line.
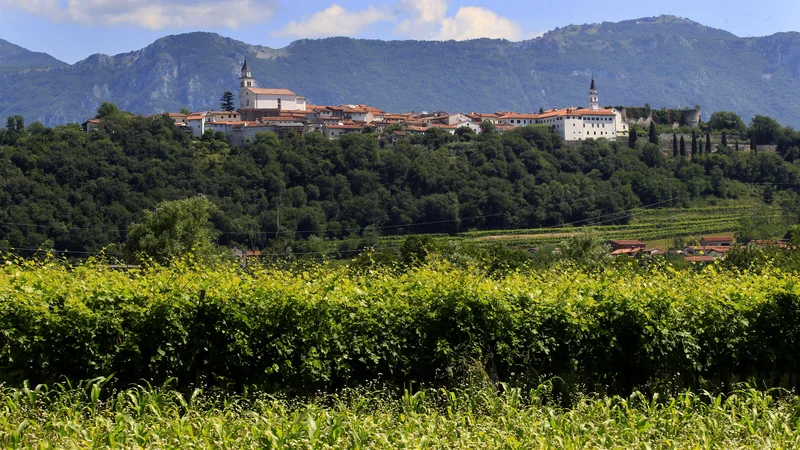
{"points": [[73, 29]]}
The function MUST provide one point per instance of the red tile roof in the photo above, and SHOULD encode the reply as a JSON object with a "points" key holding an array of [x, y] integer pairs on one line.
{"points": [[627, 242], [343, 127], [558, 113], [711, 248], [718, 238]]}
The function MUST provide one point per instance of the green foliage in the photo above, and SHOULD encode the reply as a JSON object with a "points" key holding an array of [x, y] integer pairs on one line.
{"points": [[470, 418], [727, 122], [15, 124], [227, 102], [653, 134], [327, 328], [764, 130], [80, 192], [173, 230], [763, 223], [632, 137], [675, 152]]}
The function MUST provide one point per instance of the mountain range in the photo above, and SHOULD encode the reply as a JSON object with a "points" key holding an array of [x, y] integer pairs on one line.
{"points": [[661, 61]]}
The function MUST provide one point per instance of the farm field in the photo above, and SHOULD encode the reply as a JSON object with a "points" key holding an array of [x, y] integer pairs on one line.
{"points": [[91, 417], [649, 225], [321, 357]]}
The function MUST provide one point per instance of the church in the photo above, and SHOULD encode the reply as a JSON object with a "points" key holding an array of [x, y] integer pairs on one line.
{"points": [[256, 103], [576, 124]]}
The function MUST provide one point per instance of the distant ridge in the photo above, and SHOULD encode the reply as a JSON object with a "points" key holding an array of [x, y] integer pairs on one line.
{"points": [[15, 58], [663, 61]]}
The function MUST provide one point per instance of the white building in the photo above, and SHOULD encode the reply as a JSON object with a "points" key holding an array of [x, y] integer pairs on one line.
{"points": [[573, 124], [253, 100]]}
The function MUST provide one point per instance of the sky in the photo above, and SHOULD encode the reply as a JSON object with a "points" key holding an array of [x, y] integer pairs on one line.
{"points": [[71, 30]]}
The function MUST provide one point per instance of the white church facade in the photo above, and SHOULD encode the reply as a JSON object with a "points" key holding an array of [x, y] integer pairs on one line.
{"points": [[255, 102], [575, 124]]}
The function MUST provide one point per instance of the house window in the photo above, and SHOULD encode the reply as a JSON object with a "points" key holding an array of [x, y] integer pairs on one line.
{"points": [[279, 103]]}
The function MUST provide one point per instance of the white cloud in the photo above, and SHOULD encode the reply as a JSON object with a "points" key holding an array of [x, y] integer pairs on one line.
{"points": [[471, 22], [336, 21], [151, 14], [428, 19]]}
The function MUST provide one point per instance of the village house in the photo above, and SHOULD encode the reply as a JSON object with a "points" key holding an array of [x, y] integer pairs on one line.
{"points": [[334, 131], [716, 241], [626, 247]]}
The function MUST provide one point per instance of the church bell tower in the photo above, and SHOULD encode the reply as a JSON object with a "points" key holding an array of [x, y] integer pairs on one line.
{"points": [[246, 80], [594, 99]]}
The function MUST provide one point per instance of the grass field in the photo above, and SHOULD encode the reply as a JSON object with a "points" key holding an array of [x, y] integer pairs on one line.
{"points": [[658, 227], [481, 418]]}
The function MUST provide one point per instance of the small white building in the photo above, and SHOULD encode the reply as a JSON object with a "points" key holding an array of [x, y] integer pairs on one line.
{"points": [[334, 131]]}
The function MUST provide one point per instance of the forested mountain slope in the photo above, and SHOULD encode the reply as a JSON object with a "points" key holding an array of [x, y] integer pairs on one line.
{"points": [[664, 61]]}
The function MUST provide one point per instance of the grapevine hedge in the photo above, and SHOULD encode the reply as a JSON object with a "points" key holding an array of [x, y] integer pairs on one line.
{"points": [[328, 328]]}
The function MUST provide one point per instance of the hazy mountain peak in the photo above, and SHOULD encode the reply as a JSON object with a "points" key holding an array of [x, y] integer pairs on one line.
{"points": [[664, 25], [664, 61], [13, 57]]}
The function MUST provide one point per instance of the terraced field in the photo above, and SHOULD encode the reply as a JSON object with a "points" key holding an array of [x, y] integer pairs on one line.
{"points": [[645, 225]]}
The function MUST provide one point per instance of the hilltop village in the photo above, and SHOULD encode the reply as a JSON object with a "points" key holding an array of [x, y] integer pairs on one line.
{"points": [[282, 111]]}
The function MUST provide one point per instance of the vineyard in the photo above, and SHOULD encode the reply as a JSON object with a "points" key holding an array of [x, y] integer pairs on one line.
{"points": [[645, 225], [328, 328], [320, 358]]}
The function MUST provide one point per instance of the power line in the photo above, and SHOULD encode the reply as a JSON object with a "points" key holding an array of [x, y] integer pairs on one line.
{"points": [[437, 222]]}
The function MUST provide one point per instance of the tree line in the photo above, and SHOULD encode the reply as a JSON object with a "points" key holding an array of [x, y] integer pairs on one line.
{"points": [[66, 189]]}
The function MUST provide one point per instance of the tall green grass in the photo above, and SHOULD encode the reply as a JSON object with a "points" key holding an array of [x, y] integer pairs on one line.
{"points": [[481, 418]]}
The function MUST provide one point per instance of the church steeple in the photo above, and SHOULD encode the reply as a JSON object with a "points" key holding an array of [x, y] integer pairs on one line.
{"points": [[594, 99], [246, 80]]}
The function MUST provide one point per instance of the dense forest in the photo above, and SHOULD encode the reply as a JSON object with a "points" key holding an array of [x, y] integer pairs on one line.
{"points": [[66, 189]]}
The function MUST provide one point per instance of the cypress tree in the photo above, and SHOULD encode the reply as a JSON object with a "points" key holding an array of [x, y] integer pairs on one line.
{"points": [[700, 146], [683, 147], [675, 145], [737, 145], [632, 138], [694, 143], [226, 102], [708, 143], [653, 134], [724, 140]]}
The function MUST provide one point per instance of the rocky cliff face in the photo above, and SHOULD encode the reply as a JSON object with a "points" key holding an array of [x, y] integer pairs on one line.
{"points": [[663, 61], [782, 50]]}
